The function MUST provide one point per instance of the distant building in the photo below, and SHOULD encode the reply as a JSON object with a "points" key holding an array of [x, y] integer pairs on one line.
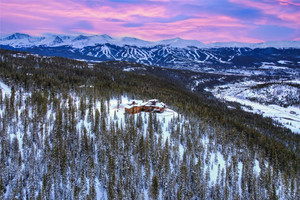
{"points": [[137, 106]]}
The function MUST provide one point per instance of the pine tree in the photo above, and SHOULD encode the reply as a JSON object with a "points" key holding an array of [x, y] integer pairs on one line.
{"points": [[154, 190], [2, 188]]}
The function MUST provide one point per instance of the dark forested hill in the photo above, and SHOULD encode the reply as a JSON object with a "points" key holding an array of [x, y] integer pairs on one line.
{"points": [[64, 135]]}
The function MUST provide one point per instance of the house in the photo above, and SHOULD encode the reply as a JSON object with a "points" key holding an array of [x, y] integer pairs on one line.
{"points": [[132, 109], [137, 106]]}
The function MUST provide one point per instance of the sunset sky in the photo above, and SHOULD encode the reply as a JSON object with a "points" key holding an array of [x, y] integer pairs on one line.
{"points": [[203, 20]]}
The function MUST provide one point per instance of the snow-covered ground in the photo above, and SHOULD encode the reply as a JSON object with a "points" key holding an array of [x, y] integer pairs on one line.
{"points": [[211, 157], [133, 69], [117, 112], [271, 65], [5, 89], [259, 101]]}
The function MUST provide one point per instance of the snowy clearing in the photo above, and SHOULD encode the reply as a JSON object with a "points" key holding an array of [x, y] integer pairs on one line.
{"points": [[118, 111]]}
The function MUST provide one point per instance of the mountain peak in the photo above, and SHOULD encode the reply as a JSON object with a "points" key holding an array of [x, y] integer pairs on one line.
{"points": [[80, 37], [106, 36], [17, 36], [181, 43], [57, 40], [135, 42], [176, 39]]}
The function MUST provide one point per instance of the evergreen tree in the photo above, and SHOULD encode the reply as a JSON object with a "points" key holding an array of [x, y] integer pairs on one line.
{"points": [[154, 190]]}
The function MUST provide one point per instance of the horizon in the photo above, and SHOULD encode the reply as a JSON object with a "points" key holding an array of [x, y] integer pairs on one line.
{"points": [[3, 36], [246, 21]]}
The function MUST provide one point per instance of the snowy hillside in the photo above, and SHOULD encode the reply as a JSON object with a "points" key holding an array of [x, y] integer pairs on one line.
{"points": [[283, 94], [279, 101], [64, 135], [95, 123]]}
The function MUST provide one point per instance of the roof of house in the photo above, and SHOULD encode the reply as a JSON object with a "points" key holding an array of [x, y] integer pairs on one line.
{"points": [[128, 106], [136, 101], [144, 103], [153, 100], [160, 105], [139, 103]]}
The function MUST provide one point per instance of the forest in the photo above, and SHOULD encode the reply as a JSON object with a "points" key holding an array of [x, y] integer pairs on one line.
{"points": [[62, 138]]}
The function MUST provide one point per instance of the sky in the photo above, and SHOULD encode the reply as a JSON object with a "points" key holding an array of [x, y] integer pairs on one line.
{"points": [[204, 20]]}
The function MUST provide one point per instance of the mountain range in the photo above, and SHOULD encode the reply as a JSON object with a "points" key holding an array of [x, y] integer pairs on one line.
{"points": [[269, 57], [51, 40]]}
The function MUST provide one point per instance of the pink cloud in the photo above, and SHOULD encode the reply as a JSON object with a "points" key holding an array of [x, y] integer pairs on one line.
{"points": [[150, 20], [71, 9], [280, 9], [62, 14], [288, 2], [205, 29]]}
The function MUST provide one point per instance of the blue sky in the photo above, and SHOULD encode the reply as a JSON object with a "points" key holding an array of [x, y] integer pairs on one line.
{"points": [[207, 21]]}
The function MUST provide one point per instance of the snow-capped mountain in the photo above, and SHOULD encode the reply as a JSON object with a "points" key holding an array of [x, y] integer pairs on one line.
{"points": [[180, 43], [17, 36], [80, 41], [175, 53], [136, 42], [21, 40]]}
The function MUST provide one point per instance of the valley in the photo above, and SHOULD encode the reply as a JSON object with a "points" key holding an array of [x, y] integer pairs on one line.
{"points": [[278, 101]]}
